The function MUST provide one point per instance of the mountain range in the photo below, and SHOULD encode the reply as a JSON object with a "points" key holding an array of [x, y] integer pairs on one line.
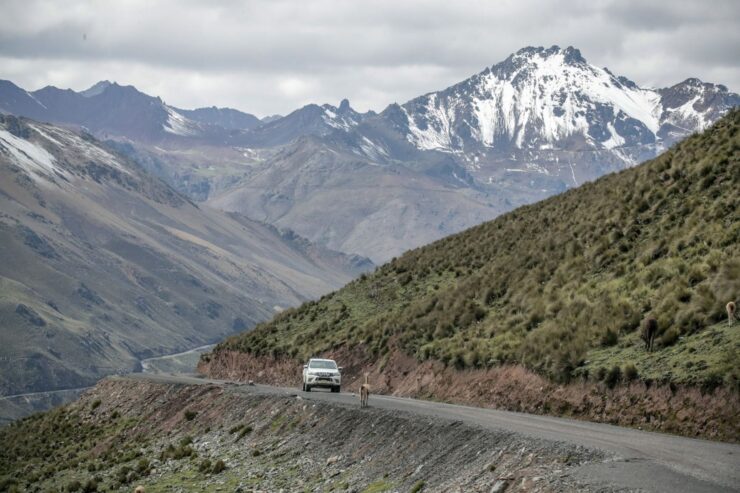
{"points": [[540, 122]]}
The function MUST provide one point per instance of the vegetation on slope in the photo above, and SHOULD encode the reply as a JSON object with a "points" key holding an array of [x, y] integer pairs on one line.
{"points": [[558, 283]]}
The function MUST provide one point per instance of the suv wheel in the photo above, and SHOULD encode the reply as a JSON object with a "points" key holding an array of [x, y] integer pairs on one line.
{"points": [[308, 388], [303, 388], [335, 389]]}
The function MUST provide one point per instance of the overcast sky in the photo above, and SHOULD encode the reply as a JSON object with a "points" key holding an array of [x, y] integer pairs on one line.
{"points": [[273, 56]]}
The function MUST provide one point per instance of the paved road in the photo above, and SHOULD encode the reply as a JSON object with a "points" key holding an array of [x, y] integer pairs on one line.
{"points": [[645, 461]]}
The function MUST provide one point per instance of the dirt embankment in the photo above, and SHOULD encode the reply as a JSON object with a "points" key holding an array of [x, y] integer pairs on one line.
{"points": [[285, 443], [674, 409]]}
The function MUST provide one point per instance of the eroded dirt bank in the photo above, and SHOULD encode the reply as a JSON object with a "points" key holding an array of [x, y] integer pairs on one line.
{"points": [[169, 437], [687, 411]]}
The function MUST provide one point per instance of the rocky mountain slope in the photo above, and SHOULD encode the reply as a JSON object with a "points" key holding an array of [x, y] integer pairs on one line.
{"points": [[559, 288], [352, 204], [103, 264]]}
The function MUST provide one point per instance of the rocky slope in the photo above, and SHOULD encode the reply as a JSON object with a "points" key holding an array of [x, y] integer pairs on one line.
{"points": [[351, 204], [559, 287], [103, 264], [170, 437]]}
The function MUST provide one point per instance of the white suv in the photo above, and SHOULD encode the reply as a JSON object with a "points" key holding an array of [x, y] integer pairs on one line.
{"points": [[321, 373]]}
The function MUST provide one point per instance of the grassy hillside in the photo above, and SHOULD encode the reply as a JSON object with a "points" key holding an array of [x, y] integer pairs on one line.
{"points": [[560, 286]]}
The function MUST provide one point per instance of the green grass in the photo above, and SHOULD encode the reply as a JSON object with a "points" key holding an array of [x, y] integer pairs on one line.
{"points": [[555, 284], [190, 479], [378, 487], [708, 357], [59, 447], [418, 486]]}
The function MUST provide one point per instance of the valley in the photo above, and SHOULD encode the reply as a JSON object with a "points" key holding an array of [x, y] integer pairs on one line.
{"points": [[103, 264]]}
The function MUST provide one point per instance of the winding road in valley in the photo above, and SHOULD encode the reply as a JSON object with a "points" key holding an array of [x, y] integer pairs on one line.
{"points": [[641, 460]]}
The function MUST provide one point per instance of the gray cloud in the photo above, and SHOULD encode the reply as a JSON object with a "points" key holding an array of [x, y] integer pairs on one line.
{"points": [[272, 56]]}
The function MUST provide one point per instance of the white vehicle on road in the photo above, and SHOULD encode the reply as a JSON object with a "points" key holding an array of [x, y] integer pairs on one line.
{"points": [[321, 373]]}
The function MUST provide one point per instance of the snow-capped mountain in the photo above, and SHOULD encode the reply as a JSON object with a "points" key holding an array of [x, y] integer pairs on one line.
{"points": [[553, 99], [692, 105], [546, 119]]}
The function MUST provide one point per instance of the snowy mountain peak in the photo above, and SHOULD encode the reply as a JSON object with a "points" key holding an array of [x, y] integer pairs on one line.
{"points": [[552, 98], [343, 117], [568, 55]]}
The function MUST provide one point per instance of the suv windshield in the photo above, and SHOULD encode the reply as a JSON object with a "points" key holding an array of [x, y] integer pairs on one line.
{"points": [[323, 365]]}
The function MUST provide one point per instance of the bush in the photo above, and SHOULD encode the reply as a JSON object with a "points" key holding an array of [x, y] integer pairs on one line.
{"points": [[182, 450], [74, 485], [190, 415], [246, 429], [142, 467], [669, 338], [610, 338], [218, 466], [208, 467], [630, 372], [124, 475], [205, 465], [96, 404], [418, 486], [613, 377], [91, 486]]}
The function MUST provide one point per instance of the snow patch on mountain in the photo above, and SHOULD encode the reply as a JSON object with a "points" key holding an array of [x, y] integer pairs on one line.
{"points": [[36, 99], [686, 116], [33, 158], [336, 118], [179, 125], [435, 135], [372, 150], [88, 151], [615, 140]]}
